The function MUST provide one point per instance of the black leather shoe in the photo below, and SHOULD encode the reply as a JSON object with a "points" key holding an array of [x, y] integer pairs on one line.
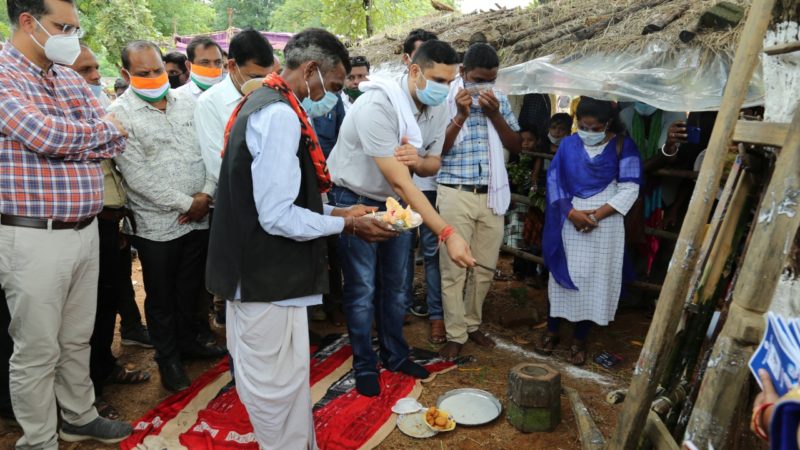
{"points": [[173, 377], [203, 351]]}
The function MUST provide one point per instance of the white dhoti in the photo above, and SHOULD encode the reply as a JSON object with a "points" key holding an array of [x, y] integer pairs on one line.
{"points": [[270, 350]]}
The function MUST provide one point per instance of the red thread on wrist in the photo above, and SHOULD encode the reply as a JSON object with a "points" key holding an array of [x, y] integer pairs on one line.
{"points": [[445, 234]]}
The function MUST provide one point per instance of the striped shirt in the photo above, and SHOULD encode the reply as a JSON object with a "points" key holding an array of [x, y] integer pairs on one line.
{"points": [[468, 161], [52, 141]]}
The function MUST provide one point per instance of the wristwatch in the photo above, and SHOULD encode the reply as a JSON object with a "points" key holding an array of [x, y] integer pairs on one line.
{"points": [[593, 219]]}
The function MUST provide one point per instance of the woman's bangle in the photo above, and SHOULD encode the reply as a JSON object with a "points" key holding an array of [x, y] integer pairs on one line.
{"points": [[669, 155], [758, 419], [459, 125]]}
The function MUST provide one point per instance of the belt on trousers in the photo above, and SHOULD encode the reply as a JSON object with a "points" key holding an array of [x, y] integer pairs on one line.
{"points": [[43, 224], [112, 214], [474, 188]]}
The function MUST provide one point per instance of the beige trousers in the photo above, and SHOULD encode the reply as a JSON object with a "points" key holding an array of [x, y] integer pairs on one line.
{"points": [[463, 295], [272, 362], [50, 281]]}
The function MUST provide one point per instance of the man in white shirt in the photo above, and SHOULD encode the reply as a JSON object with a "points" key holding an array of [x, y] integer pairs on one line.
{"points": [[169, 194], [250, 57], [395, 129], [267, 248], [205, 66]]}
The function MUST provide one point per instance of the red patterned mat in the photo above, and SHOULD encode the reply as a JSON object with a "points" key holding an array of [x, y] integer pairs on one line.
{"points": [[209, 414]]}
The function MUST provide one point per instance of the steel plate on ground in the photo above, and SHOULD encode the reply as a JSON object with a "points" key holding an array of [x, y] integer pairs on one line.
{"points": [[470, 407], [414, 425]]}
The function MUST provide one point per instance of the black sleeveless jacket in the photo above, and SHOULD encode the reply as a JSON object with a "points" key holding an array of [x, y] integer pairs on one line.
{"points": [[270, 268]]}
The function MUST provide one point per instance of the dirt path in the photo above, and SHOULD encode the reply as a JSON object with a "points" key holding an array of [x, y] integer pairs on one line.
{"points": [[507, 300]]}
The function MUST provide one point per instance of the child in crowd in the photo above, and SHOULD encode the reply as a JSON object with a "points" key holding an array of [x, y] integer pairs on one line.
{"points": [[520, 171]]}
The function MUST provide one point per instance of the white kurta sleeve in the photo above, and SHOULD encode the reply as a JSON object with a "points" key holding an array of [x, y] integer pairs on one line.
{"points": [[625, 197], [273, 134]]}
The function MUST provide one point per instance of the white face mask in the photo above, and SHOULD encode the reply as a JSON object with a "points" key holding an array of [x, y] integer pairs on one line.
{"points": [[61, 48], [592, 137], [554, 140]]}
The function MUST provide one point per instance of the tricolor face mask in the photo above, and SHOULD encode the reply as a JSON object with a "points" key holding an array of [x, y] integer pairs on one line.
{"points": [[205, 77], [151, 90]]}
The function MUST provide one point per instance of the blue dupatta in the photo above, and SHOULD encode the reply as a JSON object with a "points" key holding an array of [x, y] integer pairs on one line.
{"points": [[574, 174]]}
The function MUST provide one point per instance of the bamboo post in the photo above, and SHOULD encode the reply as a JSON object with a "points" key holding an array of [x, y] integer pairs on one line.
{"points": [[590, 436], [778, 221], [660, 337]]}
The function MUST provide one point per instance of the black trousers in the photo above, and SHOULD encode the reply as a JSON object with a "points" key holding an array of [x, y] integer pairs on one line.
{"points": [[129, 315], [102, 360], [173, 274], [6, 348]]}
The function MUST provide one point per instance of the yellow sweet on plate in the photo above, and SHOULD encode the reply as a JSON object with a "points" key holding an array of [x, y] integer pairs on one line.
{"points": [[439, 420]]}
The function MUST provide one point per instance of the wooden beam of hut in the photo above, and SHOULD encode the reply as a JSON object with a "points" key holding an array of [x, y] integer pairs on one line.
{"points": [[661, 335], [515, 37], [590, 436], [661, 21], [588, 32], [778, 221]]}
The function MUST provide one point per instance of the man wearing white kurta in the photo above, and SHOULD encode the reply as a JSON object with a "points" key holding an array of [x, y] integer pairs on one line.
{"points": [[267, 252], [249, 57]]}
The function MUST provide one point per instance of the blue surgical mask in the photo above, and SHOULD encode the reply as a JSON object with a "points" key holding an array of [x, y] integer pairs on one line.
{"points": [[592, 137], [644, 109], [320, 107], [97, 90], [434, 93]]}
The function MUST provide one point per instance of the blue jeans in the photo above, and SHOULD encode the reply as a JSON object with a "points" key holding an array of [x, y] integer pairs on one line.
{"points": [[375, 286], [429, 242]]}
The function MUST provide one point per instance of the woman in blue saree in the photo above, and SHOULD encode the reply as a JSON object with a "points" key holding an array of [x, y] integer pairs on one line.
{"points": [[592, 182]]}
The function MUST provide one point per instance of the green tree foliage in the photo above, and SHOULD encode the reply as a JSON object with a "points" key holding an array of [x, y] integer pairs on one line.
{"points": [[190, 16], [295, 15], [348, 17], [246, 13], [110, 24], [5, 27]]}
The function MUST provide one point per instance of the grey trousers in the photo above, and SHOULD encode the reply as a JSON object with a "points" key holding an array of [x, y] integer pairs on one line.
{"points": [[50, 281]]}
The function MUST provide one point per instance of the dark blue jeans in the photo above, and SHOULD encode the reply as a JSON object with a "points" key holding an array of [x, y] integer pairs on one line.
{"points": [[375, 287], [429, 242]]}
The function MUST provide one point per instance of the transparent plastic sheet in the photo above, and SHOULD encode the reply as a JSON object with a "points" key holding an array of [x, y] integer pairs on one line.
{"points": [[688, 79]]}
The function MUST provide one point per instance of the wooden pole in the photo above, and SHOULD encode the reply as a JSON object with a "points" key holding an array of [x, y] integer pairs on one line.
{"points": [[661, 335], [778, 221], [590, 436]]}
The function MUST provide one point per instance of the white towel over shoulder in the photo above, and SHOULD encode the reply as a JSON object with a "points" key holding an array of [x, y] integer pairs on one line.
{"points": [[499, 189], [408, 125]]}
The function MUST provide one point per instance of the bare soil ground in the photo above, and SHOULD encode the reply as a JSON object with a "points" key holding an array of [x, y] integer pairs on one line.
{"points": [[513, 314]]}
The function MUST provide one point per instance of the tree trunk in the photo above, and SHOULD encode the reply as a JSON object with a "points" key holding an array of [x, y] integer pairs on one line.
{"points": [[368, 14]]}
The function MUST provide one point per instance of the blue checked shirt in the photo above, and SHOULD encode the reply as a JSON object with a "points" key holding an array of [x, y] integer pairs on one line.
{"points": [[468, 162]]}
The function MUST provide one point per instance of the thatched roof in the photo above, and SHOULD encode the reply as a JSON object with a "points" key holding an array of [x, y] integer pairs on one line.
{"points": [[566, 27]]}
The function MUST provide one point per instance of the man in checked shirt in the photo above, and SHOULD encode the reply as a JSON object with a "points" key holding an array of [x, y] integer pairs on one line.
{"points": [[52, 141]]}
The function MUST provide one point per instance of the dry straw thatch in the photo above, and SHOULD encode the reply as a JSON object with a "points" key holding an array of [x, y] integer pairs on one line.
{"points": [[566, 27]]}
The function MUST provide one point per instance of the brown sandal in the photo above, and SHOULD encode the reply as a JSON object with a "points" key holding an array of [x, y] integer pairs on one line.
{"points": [[104, 409], [578, 353], [121, 375], [438, 334], [548, 343]]}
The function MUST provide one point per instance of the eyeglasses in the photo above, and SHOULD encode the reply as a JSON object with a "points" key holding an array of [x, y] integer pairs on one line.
{"points": [[69, 30]]}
